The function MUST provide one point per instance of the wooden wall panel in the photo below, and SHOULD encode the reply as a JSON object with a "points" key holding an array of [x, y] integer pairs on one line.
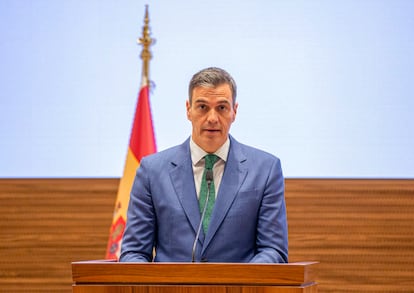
{"points": [[361, 231], [48, 223]]}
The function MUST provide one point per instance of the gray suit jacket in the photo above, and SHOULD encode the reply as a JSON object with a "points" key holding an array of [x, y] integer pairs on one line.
{"points": [[248, 222]]}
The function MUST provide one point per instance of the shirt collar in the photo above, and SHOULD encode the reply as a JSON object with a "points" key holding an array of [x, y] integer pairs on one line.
{"points": [[197, 153]]}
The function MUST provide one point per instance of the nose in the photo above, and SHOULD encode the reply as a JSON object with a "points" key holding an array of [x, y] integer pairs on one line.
{"points": [[212, 116]]}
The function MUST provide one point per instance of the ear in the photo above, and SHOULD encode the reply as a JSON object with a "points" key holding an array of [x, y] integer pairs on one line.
{"points": [[188, 107], [235, 107]]}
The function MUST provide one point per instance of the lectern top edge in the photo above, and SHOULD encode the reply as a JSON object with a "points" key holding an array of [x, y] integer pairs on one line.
{"points": [[113, 261], [94, 272]]}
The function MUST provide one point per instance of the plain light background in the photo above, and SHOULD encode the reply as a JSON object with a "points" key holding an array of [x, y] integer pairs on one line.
{"points": [[327, 86]]}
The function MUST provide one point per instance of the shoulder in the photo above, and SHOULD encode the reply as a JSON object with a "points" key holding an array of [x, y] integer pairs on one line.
{"points": [[261, 164], [168, 155]]}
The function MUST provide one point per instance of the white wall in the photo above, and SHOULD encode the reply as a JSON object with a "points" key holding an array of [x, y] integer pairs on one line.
{"points": [[325, 85]]}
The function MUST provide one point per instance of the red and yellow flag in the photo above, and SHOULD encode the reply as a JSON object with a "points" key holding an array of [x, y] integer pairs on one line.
{"points": [[142, 143]]}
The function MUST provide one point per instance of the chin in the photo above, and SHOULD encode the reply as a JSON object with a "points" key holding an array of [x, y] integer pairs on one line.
{"points": [[213, 145]]}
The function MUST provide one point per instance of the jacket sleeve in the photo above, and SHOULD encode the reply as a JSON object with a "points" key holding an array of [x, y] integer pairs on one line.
{"points": [[139, 236], [272, 235]]}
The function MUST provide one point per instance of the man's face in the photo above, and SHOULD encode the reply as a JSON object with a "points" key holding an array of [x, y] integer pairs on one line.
{"points": [[211, 113]]}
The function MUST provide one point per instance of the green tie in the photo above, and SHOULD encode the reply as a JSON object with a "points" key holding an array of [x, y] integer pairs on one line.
{"points": [[210, 160]]}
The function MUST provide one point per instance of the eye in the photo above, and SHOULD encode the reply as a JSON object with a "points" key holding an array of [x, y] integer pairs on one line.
{"points": [[201, 107], [222, 108]]}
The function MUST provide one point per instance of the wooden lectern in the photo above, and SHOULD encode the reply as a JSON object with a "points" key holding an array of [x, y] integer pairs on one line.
{"points": [[111, 276]]}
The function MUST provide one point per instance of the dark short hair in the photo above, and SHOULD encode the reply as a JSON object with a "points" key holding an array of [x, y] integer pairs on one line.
{"points": [[212, 77]]}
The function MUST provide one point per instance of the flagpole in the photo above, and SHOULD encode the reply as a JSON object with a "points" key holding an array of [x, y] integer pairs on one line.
{"points": [[146, 41]]}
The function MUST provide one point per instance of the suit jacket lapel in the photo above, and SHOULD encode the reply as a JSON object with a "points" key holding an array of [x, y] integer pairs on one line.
{"points": [[233, 177], [182, 179]]}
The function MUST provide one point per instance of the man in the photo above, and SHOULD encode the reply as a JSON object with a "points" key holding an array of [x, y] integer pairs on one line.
{"points": [[248, 220]]}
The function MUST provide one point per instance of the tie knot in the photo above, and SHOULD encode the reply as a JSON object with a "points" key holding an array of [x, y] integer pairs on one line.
{"points": [[210, 160]]}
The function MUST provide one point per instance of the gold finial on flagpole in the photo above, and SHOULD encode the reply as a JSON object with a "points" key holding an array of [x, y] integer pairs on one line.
{"points": [[146, 42]]}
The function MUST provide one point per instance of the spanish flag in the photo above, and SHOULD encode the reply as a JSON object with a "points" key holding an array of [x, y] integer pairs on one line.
{"points": [[142, 143]]}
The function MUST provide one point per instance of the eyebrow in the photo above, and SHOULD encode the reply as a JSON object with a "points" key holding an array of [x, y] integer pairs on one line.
{"points": [[202, 100]]}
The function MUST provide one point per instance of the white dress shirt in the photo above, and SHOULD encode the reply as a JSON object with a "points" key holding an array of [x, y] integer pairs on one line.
{"points": [[197, 157]]}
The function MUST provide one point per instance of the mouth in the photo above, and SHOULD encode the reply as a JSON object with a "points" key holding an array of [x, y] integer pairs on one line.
{"points": [[212, 131]]}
